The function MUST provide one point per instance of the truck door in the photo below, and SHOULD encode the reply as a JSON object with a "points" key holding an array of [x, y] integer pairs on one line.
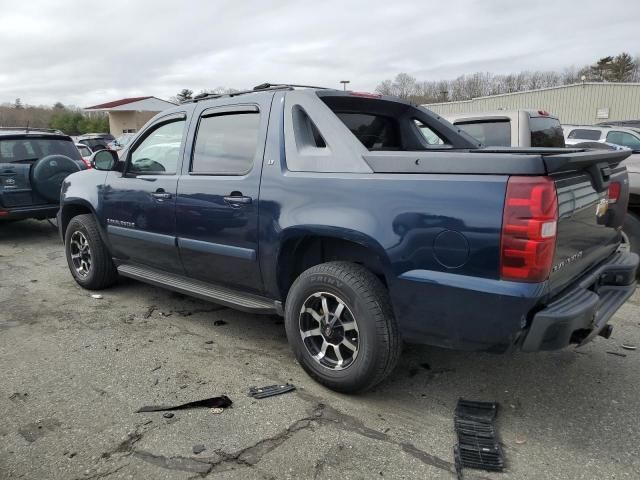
{"points": [[217, 203], [138, 204]]}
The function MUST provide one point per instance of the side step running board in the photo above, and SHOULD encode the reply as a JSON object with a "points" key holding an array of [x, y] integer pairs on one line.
{"points": [[205, 291]]}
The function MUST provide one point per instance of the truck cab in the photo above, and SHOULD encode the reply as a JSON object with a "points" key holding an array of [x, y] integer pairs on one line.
{"points": [[511, 128]]}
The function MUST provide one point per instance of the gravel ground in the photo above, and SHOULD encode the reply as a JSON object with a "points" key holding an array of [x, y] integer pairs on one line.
{"points": [[74, 369]]}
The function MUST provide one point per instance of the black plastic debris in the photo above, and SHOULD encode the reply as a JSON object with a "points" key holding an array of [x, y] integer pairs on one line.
{"points": [[219, 323], [270, 391], [214, 402], [198, 448], [478, 442]]}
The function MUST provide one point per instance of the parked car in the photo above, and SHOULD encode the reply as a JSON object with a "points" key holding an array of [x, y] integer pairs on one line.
{"points": [[628, 138], [33, 164], [511, 128], [624, 136], [96, 141], [86, 153], [121, 142], [332, 209]]}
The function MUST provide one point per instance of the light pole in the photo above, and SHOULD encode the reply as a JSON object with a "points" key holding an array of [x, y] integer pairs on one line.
{"points": [[344, 84]]}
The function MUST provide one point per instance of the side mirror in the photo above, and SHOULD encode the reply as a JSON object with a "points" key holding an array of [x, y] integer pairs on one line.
{"points": [[104, 160]]}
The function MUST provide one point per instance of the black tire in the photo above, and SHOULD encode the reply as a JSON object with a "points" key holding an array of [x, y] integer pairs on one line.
{"points": [[631, 229], [101, 273], [367, 300]]}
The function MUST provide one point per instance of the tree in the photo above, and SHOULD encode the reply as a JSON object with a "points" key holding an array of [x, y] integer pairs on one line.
{"points": [[58, 106], [18, 104], [184, 95], [622, 68]]}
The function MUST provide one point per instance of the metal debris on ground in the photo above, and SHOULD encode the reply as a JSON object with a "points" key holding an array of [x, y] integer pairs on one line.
{"points": [[270, 390], [617, 354], [96, 295], [168, 415], [198, 449], [214, 402], [478, 444], [216, 410], [628, 347]]}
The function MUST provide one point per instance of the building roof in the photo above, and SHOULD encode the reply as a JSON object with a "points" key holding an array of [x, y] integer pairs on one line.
{"points": [[148, 103]]}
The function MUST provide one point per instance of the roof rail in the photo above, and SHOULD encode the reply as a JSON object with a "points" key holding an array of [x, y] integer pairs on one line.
{"points": [[32, 129], [257, 88]]}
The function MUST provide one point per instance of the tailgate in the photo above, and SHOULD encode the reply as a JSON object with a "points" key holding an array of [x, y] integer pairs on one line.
{"points": [[15, 186], [588, 226]]}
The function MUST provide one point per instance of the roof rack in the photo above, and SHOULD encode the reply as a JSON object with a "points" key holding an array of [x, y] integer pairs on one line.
{"points": [[257, 88], [32, 129]]}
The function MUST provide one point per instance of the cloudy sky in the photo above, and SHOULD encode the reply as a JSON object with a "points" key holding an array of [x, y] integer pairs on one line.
{"points": [[87, 52]]}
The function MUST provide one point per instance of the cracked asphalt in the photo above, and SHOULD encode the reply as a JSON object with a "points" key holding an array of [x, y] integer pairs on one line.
{"points": [[74, 369]]}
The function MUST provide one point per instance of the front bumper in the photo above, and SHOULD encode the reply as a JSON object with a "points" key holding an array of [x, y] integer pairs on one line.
{"points": [[583, 312]]}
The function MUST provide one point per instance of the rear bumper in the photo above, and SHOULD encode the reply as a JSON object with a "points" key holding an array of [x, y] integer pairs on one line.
{"points": [[582, 313], [38, 211], [470, 313]]}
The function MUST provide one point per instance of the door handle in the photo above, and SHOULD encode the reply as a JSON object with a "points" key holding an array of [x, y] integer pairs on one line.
{"points": [[161, 195], [237, 200]]}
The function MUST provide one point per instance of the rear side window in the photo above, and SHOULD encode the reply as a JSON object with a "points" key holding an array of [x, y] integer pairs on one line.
{"points": [[29, 150], [226, 144], [623, 138], [584, 134], [494, 133], [546, 132]]}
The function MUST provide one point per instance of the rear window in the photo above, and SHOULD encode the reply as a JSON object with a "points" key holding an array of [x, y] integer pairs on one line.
{"points": [[584, 134], [494, 133], [29, 150], [546, 132], [376, 132]]}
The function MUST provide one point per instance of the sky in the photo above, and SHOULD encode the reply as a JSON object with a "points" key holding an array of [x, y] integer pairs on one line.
{"points": [[88, 52]]}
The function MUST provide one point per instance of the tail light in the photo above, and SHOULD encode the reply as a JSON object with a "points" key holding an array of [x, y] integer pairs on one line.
{"points": [[614, 192], [3, 212], [529, 225]]}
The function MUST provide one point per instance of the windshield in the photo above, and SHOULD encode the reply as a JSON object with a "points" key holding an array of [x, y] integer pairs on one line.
{"points": [[546, 132], [32, 149]]}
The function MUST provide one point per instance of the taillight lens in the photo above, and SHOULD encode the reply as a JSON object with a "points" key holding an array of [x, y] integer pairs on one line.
{"points": [[614, 192], [529, 224]]}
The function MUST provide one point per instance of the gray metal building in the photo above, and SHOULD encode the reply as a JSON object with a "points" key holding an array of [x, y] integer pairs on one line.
{"points": [[580, 103]]}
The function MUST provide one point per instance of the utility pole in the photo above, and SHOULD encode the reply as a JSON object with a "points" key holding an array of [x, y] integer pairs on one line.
{"points": [[344, 84]]}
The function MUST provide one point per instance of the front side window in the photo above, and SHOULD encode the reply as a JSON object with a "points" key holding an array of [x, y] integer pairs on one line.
{"points": [[492, 133], [584, 134], [625, 139], [226, 144], [159, 151]]}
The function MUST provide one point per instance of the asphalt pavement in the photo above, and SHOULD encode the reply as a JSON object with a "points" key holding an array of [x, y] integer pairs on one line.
{"points": [[74, 369]]}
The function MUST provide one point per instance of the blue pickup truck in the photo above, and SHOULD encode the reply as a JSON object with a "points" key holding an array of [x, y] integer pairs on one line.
{"points": [[366, 221]]}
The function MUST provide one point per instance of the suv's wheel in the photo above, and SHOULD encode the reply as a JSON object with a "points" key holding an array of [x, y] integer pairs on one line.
{"points": [[341, 327], [88, 258]]}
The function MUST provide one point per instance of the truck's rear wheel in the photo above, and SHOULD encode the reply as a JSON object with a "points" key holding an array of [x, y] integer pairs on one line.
{"points": [[341, 327], [88, 258]]}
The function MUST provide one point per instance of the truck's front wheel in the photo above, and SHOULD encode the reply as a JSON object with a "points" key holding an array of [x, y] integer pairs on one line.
{"points": [[341, 327], [87, 256]]}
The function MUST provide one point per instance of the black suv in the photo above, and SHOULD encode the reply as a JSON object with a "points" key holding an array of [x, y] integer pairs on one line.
{"points": [[96, 141], [33, 164]]}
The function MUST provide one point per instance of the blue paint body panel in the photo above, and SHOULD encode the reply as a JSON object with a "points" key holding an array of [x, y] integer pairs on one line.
{"points": [[435, 236]]}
